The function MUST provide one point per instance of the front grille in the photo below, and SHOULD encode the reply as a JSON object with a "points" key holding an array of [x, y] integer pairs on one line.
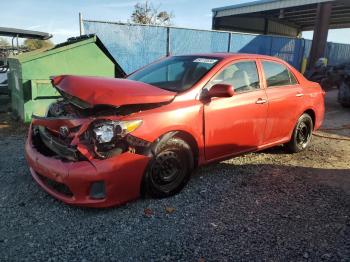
{"points": [[58, 187], [49, 145], [40, 146]]}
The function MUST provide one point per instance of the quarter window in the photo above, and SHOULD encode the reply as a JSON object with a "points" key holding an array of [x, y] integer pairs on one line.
{"points": [[243, 76], [277, 74]]}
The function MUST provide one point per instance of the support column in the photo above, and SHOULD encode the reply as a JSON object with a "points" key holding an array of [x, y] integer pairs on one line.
{"points": [[319, 40]]}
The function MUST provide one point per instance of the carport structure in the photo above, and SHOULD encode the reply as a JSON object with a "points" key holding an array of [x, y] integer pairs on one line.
{"points": [[286, 17], [16, 33], [21, 33]]}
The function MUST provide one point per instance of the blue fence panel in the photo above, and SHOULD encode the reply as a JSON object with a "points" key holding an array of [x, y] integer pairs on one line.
{"points": [[338, 53], [133, 46], [288, 49], [334, 52], [187, 41], [307, 47], [253, 44]]}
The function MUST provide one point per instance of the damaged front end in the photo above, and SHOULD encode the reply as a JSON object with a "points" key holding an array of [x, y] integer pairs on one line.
{"points": [[71, 133], [83, 151], [87, 123]]}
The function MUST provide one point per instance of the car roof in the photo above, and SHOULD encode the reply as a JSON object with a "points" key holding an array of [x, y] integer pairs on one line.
{"points": [[233, 56]]}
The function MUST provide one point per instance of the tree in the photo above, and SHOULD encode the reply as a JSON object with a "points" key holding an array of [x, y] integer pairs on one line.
{"points": [[146, 13], [4, 42], [33, 44]]}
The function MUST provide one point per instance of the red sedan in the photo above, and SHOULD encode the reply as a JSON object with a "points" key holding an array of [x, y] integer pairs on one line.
{"points": [[108, 141]]}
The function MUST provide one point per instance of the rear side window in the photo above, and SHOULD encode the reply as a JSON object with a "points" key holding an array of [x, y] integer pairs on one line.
{"points": [[277, 74], [243, 76]]}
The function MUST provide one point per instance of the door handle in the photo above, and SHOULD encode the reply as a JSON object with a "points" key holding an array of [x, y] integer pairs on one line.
{"points": [[261, 101], [299, 95]]}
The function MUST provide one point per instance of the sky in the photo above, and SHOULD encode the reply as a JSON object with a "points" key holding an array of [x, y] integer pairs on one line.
{"points": [[60, 17]]}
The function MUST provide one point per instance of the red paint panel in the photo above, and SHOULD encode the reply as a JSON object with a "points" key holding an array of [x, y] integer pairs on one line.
{"points": [[284, 107], [234, 125]]}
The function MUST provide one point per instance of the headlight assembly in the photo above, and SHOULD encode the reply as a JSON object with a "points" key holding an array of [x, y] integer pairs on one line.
{"points": [[106, 132]]}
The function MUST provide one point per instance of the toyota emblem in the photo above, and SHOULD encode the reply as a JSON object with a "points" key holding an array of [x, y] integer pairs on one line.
{"points": [[64, 131]]}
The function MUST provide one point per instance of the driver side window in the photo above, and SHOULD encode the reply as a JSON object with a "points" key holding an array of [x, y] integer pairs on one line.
{"points": [[243, 76]]}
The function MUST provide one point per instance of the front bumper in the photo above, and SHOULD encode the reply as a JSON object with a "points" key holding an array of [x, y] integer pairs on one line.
{"points": [[121, 176]]}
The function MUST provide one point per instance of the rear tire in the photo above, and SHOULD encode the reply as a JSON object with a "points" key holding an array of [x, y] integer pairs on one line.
{"points": [[302, 134], [169, 170]]}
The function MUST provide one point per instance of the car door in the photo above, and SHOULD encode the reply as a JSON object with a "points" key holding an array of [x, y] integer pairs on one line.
{"points": [[235, 124], [284, 96]]}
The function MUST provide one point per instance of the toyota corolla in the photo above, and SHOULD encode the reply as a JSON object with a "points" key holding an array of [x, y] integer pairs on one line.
{"points": [[108, 141]]}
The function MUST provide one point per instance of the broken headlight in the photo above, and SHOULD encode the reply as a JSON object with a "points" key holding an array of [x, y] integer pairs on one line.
{"points": [[107, 138], [106, 132]]}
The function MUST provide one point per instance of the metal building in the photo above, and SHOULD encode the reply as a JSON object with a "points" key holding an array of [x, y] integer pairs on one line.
{"points": [[286, 17]]}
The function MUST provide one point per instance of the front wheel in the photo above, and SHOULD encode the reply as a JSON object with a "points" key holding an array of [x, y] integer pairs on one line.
{"points": [[169, 170], [302, 134]]}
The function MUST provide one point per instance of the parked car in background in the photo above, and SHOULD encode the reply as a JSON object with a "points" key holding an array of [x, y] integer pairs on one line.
{"points": [[108, 141]]}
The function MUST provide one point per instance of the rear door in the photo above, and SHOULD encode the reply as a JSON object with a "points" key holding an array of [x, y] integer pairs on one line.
{"points": [[285, 100], [235, 124]]}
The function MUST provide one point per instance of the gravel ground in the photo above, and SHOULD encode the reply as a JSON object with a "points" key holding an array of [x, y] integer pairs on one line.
{"points": [[261, 206]]}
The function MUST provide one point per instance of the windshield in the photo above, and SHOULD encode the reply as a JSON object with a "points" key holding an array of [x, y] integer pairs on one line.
{"points": [[177, 73]]}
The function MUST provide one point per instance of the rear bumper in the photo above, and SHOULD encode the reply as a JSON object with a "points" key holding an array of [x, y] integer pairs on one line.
{"points": [[121, 176]]}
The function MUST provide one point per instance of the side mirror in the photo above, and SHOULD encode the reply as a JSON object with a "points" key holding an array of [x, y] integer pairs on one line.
{"points": [[219, 90]]}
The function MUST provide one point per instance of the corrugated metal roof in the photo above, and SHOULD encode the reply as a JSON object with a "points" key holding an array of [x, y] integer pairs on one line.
{"points": [[261, 5], [13, 32]]}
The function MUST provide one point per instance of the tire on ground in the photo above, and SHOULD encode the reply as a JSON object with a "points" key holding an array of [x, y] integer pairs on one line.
{"points": [[169, 170], [295, 145]]}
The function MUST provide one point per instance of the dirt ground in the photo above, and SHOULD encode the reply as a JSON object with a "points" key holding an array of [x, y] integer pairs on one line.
{"points": [[268, 205]]}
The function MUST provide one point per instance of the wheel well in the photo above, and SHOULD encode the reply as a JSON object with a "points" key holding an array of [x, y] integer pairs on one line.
{"points": [[311, 113], [192, 143]]}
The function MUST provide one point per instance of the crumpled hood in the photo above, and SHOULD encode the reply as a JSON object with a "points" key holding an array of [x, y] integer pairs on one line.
{"points": [[111, 91]]}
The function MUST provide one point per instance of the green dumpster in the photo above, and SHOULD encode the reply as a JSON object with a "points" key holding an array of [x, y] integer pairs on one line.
{"points": [[29, 74]]}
